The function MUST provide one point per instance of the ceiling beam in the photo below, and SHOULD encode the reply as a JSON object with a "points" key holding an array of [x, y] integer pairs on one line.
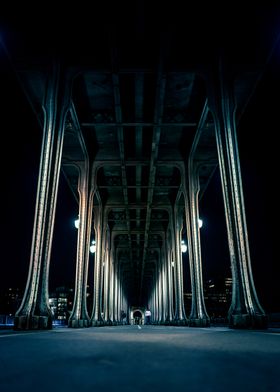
{"points": [[138, 124], [159, 104], [118, 113], [139, 104]]}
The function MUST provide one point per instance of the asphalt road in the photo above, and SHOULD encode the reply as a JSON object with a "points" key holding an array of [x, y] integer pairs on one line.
{"points": [[127, 358]]}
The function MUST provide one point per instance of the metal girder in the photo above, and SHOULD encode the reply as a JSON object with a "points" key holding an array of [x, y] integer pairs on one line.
{"points": [[139, 124], [160, 93]]}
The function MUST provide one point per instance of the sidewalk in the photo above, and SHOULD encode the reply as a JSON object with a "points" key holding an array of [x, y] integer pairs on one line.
{"points": [[150, 358]]}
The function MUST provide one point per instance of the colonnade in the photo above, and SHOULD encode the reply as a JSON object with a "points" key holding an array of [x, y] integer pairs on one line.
{"points": [[166, 295]]}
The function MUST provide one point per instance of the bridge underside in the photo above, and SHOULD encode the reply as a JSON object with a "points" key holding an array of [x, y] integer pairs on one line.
{"points": [[138, 126]]}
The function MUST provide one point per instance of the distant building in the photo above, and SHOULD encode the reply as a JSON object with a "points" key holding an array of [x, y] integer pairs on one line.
{"points": [[10, 300], [217, 295], [61, 303]]}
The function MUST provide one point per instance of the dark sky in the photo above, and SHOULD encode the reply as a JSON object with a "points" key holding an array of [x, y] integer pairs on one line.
{"points": [[257, 135]]}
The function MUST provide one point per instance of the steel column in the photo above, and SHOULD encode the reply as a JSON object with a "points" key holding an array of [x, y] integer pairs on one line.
{"points": [[245, 310], [34, 311], [198, 316], [79, 316]]}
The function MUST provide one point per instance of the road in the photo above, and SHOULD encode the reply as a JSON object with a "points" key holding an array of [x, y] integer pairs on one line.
{"points": [[149, 358]]}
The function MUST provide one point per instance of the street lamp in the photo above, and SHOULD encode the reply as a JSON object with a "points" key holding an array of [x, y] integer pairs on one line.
{"points": [[183, 246], [200, 222], [92, 247], [77, 223]]}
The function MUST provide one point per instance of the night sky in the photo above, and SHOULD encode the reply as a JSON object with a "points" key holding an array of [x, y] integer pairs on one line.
{"points": [[257, 135]]}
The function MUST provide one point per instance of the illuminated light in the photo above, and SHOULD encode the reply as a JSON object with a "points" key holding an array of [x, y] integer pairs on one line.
{"points": [[77, 223], [200, 223], [184, 247], [92, 247]]}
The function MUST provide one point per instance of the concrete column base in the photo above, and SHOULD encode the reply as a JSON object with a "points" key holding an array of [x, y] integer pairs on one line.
{"points": [[97, 323], [199, 322], [80, 323], [248, 321], [180, 322], [30, 322], [107, 323]]}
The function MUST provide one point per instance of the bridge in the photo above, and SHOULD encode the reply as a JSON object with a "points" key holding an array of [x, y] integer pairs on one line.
{"points": [[137, 127]]}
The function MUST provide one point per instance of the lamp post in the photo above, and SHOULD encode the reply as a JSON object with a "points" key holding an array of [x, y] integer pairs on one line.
{"points": [[184, 247], [92, 247]]}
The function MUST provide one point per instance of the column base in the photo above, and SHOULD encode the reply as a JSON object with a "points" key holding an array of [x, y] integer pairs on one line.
{"points": [[80, 323], [107, 323], [180, 322], [199, 322], [31, 322], [97, 323], [248, 321]]}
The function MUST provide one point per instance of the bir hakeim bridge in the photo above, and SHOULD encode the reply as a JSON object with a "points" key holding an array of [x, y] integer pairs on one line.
{"points": [[138, 127]]}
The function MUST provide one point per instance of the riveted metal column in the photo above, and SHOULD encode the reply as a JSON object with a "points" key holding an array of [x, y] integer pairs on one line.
{"points": [[164, 282], [111, 285], [198, 316], [169, 317], [116, 290], [180, 317], [154, 299], [103, 255], [96, 319], [245, 310], [114, 268], [106, 280], [163, 287], [112, 289], [160, 289], [170, 277], [157, 294], [119, 294], [79, 316], [175, 283], [151, 305], [102, 276], [34, 311]]}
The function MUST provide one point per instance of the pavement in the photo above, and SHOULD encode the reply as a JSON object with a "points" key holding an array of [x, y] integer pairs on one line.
{"points": [[146, 358]]}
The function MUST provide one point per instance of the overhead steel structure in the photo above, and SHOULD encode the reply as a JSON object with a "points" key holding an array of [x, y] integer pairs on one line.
{"points": [[138, 120]]}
